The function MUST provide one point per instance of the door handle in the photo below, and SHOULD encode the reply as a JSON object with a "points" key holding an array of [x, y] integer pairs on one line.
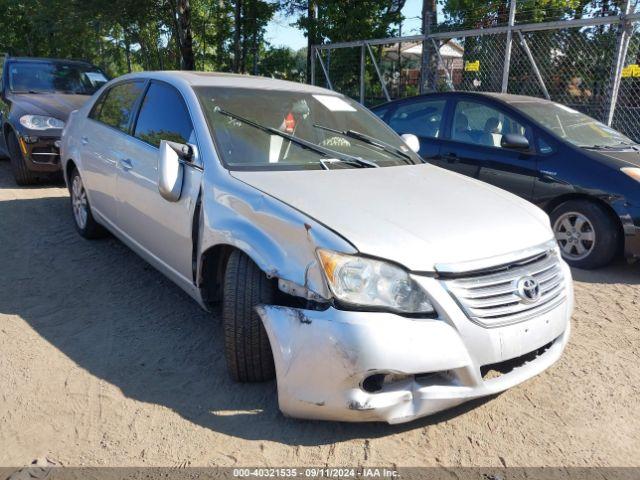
{"points": [[84, 140], [450, 157], [126, 164]]}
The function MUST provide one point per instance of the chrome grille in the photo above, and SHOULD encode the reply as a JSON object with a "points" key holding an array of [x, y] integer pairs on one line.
{"points": [[490, 297]]}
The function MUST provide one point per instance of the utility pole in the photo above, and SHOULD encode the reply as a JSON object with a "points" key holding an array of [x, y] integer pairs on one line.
{"points": [[427, 72]]}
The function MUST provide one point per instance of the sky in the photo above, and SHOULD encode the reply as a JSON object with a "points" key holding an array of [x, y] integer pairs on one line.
{"points": [[280, 33]]}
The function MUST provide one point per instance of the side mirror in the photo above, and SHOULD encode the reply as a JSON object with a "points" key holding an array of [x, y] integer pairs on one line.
{"points": [[412, 141], [514, 141], [171, 169]]}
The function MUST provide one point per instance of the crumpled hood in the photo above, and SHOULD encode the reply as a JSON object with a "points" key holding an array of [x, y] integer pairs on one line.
{"points": [[57, 105], [417, 215]]}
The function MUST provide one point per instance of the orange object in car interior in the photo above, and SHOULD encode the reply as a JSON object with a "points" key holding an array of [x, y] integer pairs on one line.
{"points": [[289, 123]]}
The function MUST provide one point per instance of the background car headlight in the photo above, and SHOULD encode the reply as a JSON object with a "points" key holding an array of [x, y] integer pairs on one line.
{"points": [[372, 283], [40, 122], [633, 172]]}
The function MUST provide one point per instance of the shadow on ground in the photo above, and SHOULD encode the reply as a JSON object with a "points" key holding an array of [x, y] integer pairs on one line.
{"points": [[122, 321], [620, 271]]}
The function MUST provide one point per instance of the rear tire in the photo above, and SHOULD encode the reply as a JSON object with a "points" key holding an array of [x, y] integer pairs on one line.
{"points": [[83, 219], [247, 347], [21, 173], [587, 234]]}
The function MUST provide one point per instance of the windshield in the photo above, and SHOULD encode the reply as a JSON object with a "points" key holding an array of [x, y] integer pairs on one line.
{"points": [[328, 121], [573, 126], [54, 77]]}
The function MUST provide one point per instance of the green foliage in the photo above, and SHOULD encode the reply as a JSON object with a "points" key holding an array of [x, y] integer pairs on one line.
{"points": [[284, 63], [125, 35]]}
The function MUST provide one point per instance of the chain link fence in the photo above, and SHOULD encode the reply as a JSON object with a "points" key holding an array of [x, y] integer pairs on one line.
{"points": [[589, 64]]}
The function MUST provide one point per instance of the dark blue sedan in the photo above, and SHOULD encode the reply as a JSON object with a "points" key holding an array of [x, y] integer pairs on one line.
{"points": [[584, 174]]}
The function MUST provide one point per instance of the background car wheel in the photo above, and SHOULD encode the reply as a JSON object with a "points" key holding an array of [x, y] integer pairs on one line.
{"points": [[588, 236], [21, 173], [82, 217], [247, 348]]}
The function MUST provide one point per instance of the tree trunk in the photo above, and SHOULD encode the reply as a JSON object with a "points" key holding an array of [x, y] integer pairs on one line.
{"points": [[237, 35], [254, 37], [311, 36], [185, 37]]}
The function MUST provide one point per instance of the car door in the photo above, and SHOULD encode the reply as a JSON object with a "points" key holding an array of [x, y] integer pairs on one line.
{"points": [[161, 229], [473, 147], [103, 140], [423, 117]]}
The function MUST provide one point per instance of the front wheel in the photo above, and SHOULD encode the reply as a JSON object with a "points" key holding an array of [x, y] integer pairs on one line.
{"points": [[21, 173], [587, 235], [247, 348], [82, 216]]}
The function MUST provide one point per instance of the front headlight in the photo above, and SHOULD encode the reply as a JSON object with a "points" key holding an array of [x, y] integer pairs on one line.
{"points": [[633, 172], [365, 282], [40, 122]]}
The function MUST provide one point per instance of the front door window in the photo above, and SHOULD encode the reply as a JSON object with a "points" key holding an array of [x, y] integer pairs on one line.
{"points": [[479, 124]]}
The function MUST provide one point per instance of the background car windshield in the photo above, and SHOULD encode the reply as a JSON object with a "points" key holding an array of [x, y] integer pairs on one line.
{"points": [[297, 114], [39, 77], [573, 126]]}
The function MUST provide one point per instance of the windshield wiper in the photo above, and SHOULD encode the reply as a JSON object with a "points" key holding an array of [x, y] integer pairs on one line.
{"points": [[299, 141], [369, 140]]}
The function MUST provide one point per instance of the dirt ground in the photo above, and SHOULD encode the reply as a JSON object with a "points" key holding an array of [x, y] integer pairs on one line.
{"points": [[105, 362]]}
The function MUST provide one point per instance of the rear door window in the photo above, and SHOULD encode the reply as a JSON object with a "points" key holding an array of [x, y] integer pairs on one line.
{"points": [[116, 107], [163, 116], [421, 117]]}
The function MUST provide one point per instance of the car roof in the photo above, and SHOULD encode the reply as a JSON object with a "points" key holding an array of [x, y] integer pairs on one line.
{"points": [[232, 80], [507, 98]]}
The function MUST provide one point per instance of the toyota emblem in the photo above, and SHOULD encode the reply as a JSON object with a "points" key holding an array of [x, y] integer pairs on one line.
{"points": [[528, 289]]}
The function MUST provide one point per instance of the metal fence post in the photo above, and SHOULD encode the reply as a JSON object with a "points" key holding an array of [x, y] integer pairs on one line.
{"points": [[622, 45], [534, 65], [380, 77], [363, 59], [441, 62], [507, 52], [324, 70]]}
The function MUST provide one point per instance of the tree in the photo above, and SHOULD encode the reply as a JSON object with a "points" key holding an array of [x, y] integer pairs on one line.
{"points": [[182, 15], [343, 20]]}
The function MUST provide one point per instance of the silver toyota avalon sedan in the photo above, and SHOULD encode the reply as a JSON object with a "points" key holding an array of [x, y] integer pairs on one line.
{"points": [[371, 285]]}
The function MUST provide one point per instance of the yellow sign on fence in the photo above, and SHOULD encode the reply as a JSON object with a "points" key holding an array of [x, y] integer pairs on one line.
{"points": [[632, 70], [472, 66]]}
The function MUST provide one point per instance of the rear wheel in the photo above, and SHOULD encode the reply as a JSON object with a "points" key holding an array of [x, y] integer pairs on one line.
{"points": [[82, 216], [587, 235], [247, 348], [21, 172]]}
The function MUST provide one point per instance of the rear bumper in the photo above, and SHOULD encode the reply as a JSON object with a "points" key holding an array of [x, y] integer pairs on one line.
{"points": [[323, 357]]}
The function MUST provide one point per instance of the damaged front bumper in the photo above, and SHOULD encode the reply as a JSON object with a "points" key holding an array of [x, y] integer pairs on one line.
{"points": [[325, 360]]}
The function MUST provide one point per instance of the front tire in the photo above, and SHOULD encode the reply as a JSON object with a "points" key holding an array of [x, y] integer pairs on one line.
{"points": [[83, 219], [587, 234], [21, 173], [247, 348]]}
